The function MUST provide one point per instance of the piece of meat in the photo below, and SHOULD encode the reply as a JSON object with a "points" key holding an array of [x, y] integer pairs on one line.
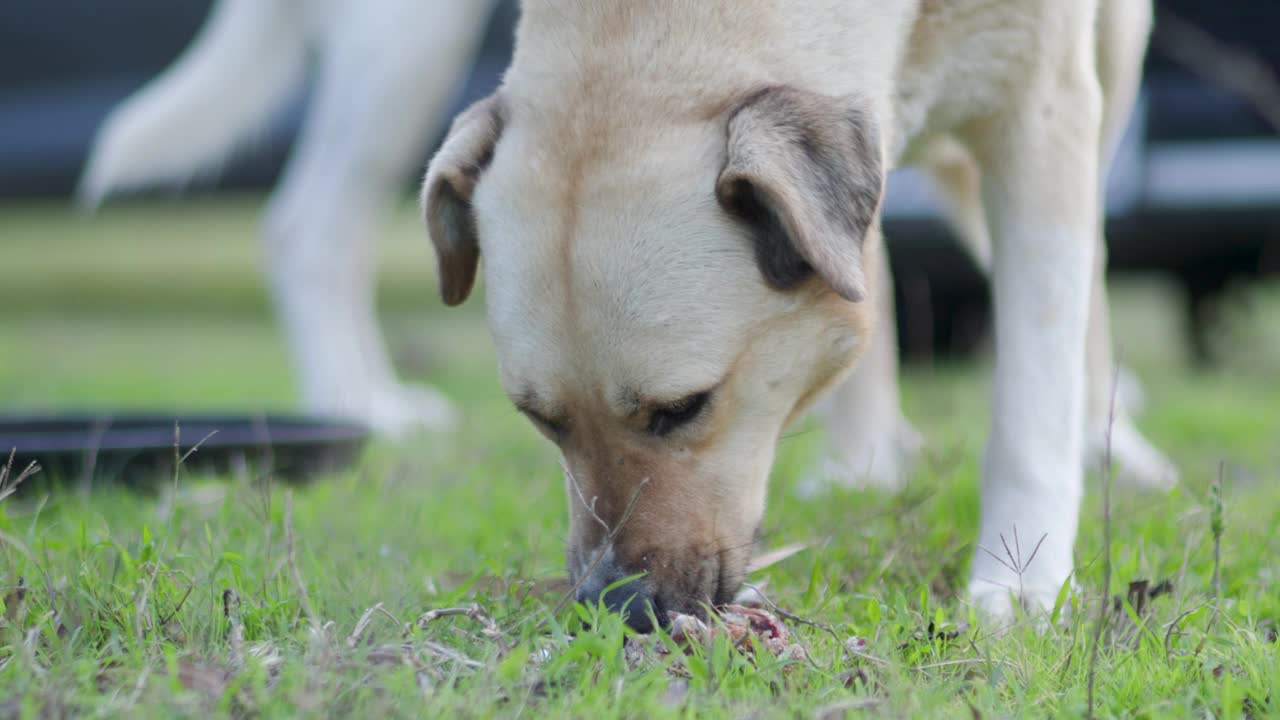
{"points": [[749, 629]]}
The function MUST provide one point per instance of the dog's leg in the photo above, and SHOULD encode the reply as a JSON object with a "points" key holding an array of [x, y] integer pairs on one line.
{"points": [[1123, 27], [1040, 187], [387, 72], [249, 56], [957, 177], [1108, 418], [870, 443], [1136, 461]]}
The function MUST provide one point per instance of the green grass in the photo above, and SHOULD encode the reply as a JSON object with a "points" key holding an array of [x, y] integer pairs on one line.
{"points": [[123, 612]]}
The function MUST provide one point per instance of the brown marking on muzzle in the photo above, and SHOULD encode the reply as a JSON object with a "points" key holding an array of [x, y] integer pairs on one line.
{"points": [[641, 501]]}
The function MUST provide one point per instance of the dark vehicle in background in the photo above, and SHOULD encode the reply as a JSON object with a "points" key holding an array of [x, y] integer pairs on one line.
{"points": [[1195, 191]]}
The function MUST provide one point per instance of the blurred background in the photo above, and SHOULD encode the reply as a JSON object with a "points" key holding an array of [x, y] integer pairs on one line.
{"points": [[158, 299]]}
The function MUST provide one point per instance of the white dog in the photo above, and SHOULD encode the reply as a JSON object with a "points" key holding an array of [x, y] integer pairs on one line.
{"points": [[361, 137], [677, 203], [930, 83]]}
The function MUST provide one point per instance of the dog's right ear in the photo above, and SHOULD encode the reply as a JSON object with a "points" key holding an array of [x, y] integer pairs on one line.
{"points": [[446, 195]]}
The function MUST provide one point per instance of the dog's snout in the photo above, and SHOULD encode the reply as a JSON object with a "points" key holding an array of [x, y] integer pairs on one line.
{"points": [[630, 597]]}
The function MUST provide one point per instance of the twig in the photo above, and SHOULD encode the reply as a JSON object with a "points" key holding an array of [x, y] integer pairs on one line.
{"points": [[10, 486], [785, 615], [1217, 525], [1173, 629], [1015, 563], [177, 608], [1034, 550], [263, 490], [361, 625], [179, 458], [192, 450], [491, 629], [1106, 544], [390, 654], [590, 507], [451, 654], [29, 645], [231, 609], [389, 616], [140, 607], [404, 653], [600, 554], [303, 598]]}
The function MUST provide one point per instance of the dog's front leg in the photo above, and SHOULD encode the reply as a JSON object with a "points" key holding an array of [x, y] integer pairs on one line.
{"points": [[1040, 170]]}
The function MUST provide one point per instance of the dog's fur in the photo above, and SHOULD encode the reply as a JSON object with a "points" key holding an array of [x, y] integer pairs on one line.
{"points": [[677, 206], [669, 173]]}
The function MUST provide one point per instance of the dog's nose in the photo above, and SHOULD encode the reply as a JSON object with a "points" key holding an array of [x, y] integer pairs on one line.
{"points": [[631, 599]]}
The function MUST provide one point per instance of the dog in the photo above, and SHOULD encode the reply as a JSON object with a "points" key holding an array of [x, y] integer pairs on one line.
{"points": [[363, 130], [677, 206], [361, 134], [384, 71]]}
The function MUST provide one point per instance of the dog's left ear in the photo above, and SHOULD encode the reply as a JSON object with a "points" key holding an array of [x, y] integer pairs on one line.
{"points": [[446, 195], [804, 170]]}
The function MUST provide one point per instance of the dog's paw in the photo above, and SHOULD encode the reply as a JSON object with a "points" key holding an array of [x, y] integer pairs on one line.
{"points": [[1136, 462], [881, 462], [392, 410], [998, 602], [399, 409]]}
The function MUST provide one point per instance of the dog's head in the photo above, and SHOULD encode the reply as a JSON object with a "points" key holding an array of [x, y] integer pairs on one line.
{"points": [[664, 297]]}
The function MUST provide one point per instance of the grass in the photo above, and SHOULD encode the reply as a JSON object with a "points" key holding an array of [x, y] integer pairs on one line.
{"points": [[237, 596]]}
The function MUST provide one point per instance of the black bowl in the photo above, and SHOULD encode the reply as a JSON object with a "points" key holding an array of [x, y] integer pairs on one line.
{"points": [[139, 448]]}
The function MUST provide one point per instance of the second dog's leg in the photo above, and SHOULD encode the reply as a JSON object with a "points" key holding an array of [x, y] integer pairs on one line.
{"points": [[1122, 36], [387, 71], [1109, 427]]}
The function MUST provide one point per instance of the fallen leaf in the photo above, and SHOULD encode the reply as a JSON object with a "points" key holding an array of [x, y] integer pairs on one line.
{"points": [[773, 557]]}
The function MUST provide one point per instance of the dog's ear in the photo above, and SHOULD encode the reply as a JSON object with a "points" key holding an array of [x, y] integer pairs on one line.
{"points": [[804, 171], [446, 195]]}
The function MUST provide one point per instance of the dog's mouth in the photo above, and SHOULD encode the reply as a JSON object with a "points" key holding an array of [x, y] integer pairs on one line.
{"points": [[700, 605], [647, 598]]}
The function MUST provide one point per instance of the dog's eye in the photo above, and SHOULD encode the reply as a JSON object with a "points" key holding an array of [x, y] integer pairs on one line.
{"points": [[553, 429], [667, 419]]}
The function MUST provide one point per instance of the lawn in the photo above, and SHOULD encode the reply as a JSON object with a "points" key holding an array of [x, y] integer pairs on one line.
{"points": [[240, 596]]}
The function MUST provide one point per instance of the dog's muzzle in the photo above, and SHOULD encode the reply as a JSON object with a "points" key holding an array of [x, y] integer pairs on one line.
{"points": [[634, 599]]}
